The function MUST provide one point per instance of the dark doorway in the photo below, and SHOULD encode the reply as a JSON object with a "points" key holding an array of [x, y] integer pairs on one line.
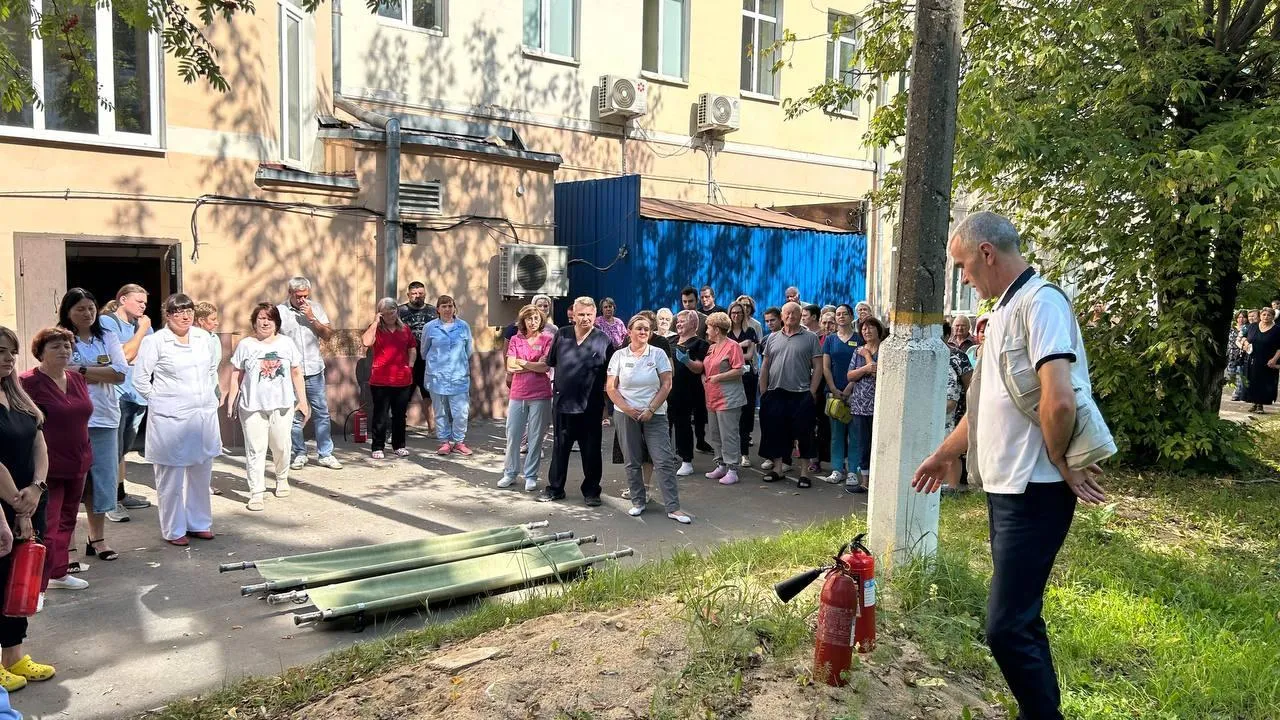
{"points": [[103, 269]]}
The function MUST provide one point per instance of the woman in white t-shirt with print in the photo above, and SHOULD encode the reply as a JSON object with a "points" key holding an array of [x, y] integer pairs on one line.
{"points": [[639, 380], [266, 389]]}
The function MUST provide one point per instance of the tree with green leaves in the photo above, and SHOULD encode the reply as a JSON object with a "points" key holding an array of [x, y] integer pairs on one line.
{"points": [[1137, 145]]}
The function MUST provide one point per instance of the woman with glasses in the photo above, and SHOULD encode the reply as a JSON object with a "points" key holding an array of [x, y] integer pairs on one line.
{"points": [[175, 371], [639, 381]]}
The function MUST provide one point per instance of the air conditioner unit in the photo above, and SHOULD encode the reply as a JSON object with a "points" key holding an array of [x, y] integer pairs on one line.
{"points": [[622, 97], [717, 113], [526, 270]]}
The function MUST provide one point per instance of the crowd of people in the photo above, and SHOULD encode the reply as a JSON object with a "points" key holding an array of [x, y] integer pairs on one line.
{"points": [[1253, 357]]}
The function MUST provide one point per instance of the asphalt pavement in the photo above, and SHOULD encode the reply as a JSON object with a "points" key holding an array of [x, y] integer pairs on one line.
{"points": [[161, 623]]}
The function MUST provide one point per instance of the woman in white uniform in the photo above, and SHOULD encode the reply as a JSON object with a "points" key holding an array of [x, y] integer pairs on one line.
{"points": [[174, 371]]}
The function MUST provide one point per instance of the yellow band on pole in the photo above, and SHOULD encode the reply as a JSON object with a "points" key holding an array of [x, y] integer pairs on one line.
{"points": [[910, 317]]}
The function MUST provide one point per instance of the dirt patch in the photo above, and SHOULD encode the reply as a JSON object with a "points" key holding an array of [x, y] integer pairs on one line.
{"points": [[636, 663]]}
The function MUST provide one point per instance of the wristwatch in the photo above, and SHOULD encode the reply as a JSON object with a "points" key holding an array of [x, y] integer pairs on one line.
{"points": [[44, 486], [84, 370]]}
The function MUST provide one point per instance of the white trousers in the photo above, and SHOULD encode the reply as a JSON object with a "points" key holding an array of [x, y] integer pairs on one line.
{"points": [[184, 498], [267, 429]]}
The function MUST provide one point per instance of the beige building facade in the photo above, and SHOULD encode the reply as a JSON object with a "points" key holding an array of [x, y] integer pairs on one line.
{"points": [[227, 196]]}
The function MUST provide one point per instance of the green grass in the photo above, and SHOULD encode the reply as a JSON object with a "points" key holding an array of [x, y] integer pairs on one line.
{"points": [[1162, 605]]}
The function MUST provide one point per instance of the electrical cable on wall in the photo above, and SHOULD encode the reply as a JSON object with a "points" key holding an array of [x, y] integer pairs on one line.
{"points": [[622, 252]]}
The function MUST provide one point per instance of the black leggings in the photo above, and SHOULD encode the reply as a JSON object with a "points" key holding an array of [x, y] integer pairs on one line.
{"points": [[747, 421], [396, 401]]}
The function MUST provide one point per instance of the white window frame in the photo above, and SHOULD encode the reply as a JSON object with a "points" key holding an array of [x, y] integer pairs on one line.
{"points": [[544, 33], [837, 68], [106, 79], [756, 18], [289, 10], [683, 78], [405, 21], [961, 292]]}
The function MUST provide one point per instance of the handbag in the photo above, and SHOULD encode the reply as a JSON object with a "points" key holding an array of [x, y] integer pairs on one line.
{"points": [[837, 409]]}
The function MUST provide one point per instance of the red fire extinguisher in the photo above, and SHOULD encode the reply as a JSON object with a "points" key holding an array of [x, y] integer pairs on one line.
{"points": [[360, 426], [846, 610], [22, 595]]}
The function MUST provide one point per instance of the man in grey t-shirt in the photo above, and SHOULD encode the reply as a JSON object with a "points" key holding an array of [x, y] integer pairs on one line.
{"points": [[789, 380]]}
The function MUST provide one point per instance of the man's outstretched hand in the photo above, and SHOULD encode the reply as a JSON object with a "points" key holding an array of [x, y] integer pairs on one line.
{"points": [[932, 473]]}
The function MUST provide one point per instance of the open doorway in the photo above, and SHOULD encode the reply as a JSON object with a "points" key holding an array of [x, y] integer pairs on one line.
{"points": [[103, 268]]}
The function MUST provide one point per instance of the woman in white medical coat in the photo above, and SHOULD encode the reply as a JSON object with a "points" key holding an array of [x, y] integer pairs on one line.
{"points": [[175, 371]]}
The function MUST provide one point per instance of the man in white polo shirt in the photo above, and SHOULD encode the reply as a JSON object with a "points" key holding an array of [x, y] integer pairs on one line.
{"points": [[1031, 490]]}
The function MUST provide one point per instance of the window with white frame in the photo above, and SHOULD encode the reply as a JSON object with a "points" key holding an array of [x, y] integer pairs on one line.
{"points": [[551, 27], [666, 38], [120, 61], [841, 45], [760, 30], [291, 82], [963, 297], [423, 14]]}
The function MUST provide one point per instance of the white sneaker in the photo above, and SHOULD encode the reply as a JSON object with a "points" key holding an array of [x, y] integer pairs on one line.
{"points": [[744, 462], [119, 514], [506, 481], [299, 462], [685, 470], [835, 478], [635, 511], [767, 465], [330, 462], [40, 602], [530, 485], [67, 582]]}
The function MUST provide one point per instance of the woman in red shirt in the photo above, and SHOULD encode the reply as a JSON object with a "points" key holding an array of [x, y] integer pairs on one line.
{"points": [[391, 379], [63, 397]]}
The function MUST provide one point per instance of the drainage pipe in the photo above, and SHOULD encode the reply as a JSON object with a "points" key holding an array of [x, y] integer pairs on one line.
{"points": [[391, 227]]}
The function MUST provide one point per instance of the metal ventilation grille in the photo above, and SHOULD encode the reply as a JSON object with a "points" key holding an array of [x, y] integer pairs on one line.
{"points": [[531, 273], [422, 198], [721, 110]]}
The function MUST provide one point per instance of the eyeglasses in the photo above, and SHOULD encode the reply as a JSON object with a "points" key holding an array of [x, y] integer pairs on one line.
{"points": [[189, 312]]}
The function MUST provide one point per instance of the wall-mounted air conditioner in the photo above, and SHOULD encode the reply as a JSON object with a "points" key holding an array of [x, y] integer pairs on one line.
{"points": [[527, 270], [718, 113], [622, 97]]}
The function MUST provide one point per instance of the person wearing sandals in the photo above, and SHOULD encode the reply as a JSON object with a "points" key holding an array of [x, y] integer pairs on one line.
{"points": [[529, 407], [392, 350], [862, 401], [639, 381], [722, 372], [447, 346], [24, 457], [63, 398], [789, 381], [174, 372], [267, 387], [98, 357]]}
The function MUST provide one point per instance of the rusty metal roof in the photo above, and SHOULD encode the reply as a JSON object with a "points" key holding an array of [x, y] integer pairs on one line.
{"points": [[655, 209]]}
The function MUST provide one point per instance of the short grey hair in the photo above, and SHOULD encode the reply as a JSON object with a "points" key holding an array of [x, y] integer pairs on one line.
{"points": [[538, 297], [584, 301], [986, 226], [387, 303], [685, 313], [299, 283]]}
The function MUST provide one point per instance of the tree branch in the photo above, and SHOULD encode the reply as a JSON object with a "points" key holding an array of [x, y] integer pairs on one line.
{"points": [[1220, 34]]}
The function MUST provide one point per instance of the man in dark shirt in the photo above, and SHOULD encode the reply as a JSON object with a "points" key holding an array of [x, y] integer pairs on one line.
{"points": [[709, 305], [416, 314], [580, 356], [689, 301]]}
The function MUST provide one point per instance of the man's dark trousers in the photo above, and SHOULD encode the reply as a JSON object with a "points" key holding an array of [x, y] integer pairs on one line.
{"points": [[1027, 531], [584, 429]]}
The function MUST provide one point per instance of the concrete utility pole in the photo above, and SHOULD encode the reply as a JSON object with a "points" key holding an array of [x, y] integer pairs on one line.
{"points": [[911, 379]]}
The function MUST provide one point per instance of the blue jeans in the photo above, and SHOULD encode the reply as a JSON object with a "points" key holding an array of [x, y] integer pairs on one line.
{"points": [[526, 418], [105, 470], [844, 446], [451, 416], [318, 399]]}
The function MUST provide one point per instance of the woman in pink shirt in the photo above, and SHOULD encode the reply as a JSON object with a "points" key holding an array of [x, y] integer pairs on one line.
{"points": [[722, 371], [530, 405]]}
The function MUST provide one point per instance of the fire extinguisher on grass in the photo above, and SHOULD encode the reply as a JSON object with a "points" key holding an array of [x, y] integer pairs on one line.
{"points": [[846, 609], [22, 595]]}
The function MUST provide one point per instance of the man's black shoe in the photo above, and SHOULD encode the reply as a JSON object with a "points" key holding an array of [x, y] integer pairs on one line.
{"points": [[549, 495], [593, 501], [705, 448]]}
